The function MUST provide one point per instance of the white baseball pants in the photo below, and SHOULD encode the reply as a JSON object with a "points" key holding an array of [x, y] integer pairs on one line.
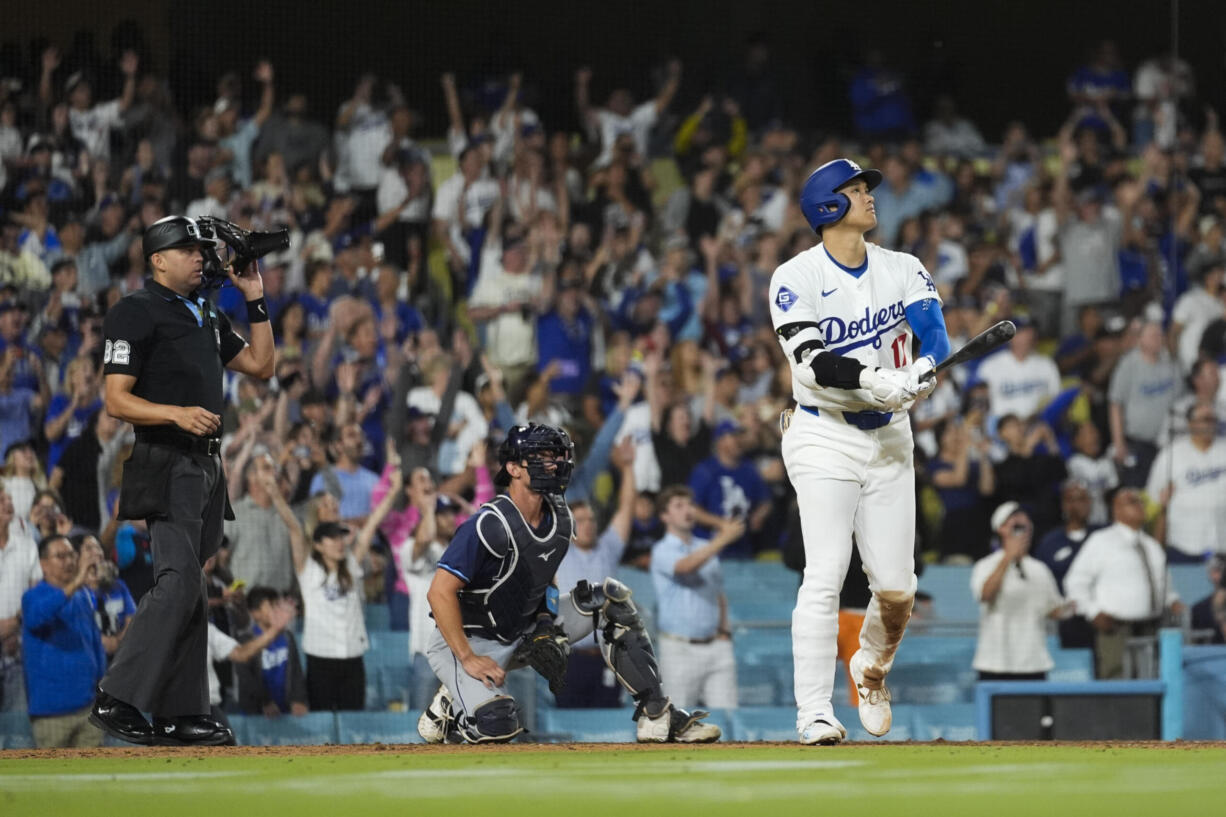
{"points": [[848, 481]]}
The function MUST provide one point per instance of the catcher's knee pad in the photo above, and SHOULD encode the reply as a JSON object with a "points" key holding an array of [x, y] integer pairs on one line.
{"points": [[495, 721]]}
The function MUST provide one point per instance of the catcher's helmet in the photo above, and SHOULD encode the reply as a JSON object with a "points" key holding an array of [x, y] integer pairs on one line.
{"points": [[820, 199], [175, 231], [535, 445]]}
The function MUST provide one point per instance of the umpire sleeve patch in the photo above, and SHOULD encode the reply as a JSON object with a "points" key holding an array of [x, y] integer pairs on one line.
{"points": [[785, 299], [117, 352]]}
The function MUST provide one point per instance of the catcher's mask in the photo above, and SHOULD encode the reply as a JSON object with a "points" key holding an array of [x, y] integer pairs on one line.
{"points": [[537, 447]]}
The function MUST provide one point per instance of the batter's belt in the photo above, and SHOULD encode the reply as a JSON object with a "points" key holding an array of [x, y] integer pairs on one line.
{"points": [[863, 420]]}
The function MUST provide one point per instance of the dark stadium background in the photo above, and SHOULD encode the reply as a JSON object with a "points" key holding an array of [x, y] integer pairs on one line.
{"points": [[1002, 60]]}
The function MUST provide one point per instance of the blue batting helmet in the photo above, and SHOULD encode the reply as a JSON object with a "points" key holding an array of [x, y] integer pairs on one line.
{"points": [[821, 201]]}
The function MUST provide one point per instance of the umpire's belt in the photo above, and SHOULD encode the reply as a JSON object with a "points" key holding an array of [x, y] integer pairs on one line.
{"points": [[209, 446], [863, 420], [672, 637]]}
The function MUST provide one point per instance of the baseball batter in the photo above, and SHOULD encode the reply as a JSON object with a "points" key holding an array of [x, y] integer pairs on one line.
{"points": [[848, 315]]}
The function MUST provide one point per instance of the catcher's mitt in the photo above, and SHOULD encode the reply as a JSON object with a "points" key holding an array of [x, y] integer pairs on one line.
{"points": [[546, 650]]}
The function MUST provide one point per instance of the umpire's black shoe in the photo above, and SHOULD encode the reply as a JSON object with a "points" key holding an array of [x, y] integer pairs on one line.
{"points": [[191, 730], [120, 720]]}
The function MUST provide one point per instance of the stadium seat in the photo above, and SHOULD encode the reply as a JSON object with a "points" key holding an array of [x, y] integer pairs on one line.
{"points": [[378, 617], [287, 730], [15, 731], [757, 685], [377, 727], [600, 725]]}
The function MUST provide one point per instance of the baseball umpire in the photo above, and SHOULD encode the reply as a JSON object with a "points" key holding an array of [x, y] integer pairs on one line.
{"points": [[165, 349], [496, 602]]}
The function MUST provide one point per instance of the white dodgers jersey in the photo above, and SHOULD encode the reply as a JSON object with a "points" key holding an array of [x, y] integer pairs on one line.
{"points": [[861, 317]]}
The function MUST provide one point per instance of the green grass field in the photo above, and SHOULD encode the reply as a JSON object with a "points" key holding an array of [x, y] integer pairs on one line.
{"points": [[745, 779]]}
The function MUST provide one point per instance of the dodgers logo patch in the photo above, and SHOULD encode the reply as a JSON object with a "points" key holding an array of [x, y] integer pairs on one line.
{"points": [[785, 299]]}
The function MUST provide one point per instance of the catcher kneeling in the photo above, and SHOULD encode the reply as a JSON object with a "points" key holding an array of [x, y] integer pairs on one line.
{"points": [[497, 607]]}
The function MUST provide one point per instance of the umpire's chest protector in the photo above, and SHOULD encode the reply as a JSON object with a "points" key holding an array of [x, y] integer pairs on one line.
{"points": [[528, 563]]}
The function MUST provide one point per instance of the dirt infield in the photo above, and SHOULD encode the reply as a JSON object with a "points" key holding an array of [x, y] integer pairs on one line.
{"points": [[422, 749]]}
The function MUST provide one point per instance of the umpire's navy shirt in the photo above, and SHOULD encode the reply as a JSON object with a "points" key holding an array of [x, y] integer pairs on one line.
{"points": [[176, 347]]}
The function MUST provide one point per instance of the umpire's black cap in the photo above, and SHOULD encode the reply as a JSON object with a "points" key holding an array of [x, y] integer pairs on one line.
{"points": [[173, 231]]}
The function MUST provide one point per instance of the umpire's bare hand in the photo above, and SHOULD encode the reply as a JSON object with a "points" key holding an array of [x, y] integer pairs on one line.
{"points": [[485, 670], [197, 420]]}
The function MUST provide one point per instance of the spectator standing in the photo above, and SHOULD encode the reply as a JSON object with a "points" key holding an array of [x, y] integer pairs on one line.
{"points": [[726, 486], [1188, 479], [1020, 381], [440, 516], [1120, 583], [964, 478], [272, 682], [68, 414], [1031, 471], [61, 647], [23, 476], [1059, 546], [20, 569], [334, 625], [1196, 309], [592, 558], [906, 193], [881, 108], [1016, 594], [261, 536], [19, 404], [1097, 472], [461, 204], [362, 132], [948, 134], [1205, 384], [620, 115], [1143, 388], [113, 604], [504, 304], [696, 658], [1210, 612], [91, 123], [223, 648], [1089, 239], [346, 479], [292, 135], [82, 475]]}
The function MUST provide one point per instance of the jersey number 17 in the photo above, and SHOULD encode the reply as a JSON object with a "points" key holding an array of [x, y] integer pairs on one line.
{"points": [[900, 350]]}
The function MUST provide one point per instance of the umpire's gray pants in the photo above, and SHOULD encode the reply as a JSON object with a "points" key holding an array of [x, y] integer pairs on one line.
{"points": [[160, 666], [468, 693]]}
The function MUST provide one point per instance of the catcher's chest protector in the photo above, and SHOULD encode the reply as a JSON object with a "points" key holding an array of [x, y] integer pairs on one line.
{"points": [[509, 606]]}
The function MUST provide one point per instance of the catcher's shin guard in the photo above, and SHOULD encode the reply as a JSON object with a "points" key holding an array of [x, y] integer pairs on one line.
{"points": [[624, 642], [495, 721]]}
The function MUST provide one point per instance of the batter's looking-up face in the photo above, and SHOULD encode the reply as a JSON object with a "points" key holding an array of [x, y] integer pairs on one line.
{"points": [[862, 215]]}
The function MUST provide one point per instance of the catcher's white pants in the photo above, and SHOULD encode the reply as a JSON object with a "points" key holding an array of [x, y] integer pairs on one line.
{"points": [[695, 674], [847, 481]]}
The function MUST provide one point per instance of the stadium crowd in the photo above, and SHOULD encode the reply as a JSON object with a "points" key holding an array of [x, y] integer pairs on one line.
{"points": [[606, 274]]}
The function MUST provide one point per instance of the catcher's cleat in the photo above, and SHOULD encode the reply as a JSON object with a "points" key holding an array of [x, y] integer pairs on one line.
{"points": [[437, 722], [675, 725]]}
